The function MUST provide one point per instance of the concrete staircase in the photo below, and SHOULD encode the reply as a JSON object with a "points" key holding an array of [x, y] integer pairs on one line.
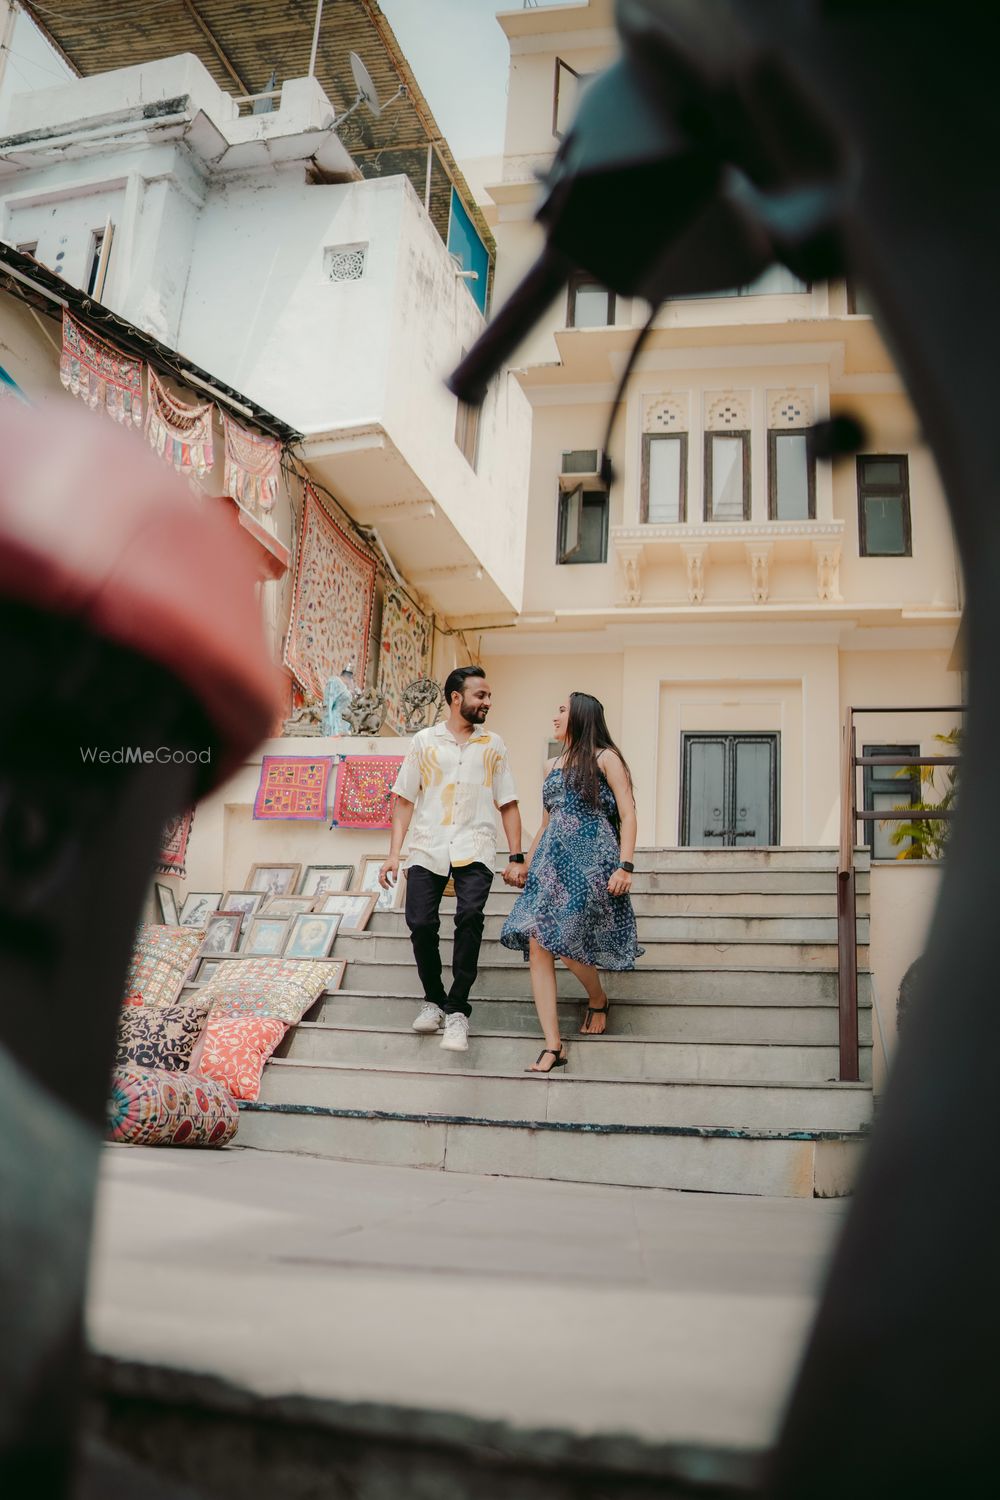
{"points": [[718, 1073]]}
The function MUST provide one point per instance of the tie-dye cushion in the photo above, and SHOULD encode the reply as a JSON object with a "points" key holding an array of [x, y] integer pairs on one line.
{"points": [[234, 1049], [159, 1036], [161, 958], [280, 989], [150, 1107]]}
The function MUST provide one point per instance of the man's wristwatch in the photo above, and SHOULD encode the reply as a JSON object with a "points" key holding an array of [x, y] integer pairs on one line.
{"points": [[627, 866], [517, 859]]}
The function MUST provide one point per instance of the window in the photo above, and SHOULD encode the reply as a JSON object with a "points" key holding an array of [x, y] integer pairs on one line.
{"points": [[884, 505], [590, 304], [467, 431], [791, 477], [583, 526], [886, 788], [565, 96], [664, 478], [29, 248], [858, 300], [96, 247], [345, 262], [727, 476], [775, 281]]}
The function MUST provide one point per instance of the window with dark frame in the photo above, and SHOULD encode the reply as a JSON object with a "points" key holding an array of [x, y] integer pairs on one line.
{"points": [[565, 96], [589, 305], [791, 476], [884, 789], [583, 526], [884, 524], [96, 246], [467, 431], [664, 478], [727, 476]]}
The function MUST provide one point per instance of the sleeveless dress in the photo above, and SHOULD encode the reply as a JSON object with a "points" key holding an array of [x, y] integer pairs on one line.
{"points": [[565, 905]]}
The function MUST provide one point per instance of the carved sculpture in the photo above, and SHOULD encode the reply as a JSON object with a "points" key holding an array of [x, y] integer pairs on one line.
{"points": [[305, 720], [366, 712], [759, 558], [827, 571], [694, 558], [631, 562], [419, 696]]}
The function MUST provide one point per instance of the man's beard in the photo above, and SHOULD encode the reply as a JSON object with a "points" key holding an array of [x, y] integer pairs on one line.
{"points": [[474, 713]]}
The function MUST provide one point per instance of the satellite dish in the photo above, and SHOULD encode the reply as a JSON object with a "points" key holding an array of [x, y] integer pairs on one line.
{"points": [[365, 86]]}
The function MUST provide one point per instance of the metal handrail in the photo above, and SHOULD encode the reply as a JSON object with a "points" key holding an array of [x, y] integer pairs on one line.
{"points": [[847, 905]]}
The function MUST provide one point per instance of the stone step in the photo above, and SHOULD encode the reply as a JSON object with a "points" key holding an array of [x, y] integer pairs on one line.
{"points": [[614, 1056], [758, 1024], [669, 903], [568, 1098], [734, 984], [783, 1166], [701, 927], [692, 953], [784, 857], [711, 879]]}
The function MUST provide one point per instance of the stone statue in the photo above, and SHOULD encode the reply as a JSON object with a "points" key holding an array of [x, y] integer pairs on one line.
{"points": [[336, 696], [366, 712], [305, 720], [419, 696]]}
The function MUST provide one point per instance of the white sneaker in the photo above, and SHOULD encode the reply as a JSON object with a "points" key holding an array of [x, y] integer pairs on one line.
{"points": [[456, 1033], [430, 1019]]}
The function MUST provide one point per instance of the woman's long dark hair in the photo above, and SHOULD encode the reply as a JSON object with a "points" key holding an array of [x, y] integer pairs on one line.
{"points": [[587, 734]]}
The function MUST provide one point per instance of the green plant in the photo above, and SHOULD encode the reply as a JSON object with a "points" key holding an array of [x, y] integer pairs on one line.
{"points": [[928, 836]]}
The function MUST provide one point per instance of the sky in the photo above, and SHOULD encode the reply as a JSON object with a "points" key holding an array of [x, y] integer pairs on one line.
{"points": [[455, 48]]}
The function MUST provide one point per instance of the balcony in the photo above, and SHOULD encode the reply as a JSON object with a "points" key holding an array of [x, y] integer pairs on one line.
{"points": [[759, 547]]}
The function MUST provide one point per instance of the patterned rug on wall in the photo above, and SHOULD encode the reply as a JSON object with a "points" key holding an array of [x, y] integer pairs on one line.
{"points": [[331, 604], [292, 786], [173, 850], [364, 791], [404, 654]]}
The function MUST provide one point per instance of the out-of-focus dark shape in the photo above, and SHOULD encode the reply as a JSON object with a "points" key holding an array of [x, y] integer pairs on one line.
{"points": [[837, 437], [839, 136], [127, 619]]}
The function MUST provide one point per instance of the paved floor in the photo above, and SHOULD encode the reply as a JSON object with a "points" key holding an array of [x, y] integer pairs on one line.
{"points": [[669, 1316]]}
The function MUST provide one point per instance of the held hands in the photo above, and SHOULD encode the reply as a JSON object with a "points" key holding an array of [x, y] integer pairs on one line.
{"points": [[515, 875], [389, 872], [620, 883]]}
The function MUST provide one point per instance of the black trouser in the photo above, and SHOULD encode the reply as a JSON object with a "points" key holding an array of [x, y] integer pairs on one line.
{"points": [[424, 890]]}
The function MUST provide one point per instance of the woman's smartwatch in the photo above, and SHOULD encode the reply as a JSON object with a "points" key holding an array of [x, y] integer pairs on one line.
{"points": [[516, 859], [627, 866]]}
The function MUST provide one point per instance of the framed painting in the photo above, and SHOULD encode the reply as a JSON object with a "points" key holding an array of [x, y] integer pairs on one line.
{"points": [[274, 880], [207, 969], [319, 879], [168, 905], [198, 906], [353, 907], [391, 900], [286, 906], [222, 934], [265, 937], [247, 902], [311, 935]]}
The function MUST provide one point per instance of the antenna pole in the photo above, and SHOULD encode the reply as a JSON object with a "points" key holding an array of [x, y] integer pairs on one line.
{"points": [[315, 45]]}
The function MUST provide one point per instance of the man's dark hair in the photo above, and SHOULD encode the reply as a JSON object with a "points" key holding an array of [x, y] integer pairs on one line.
{"points": [[457, 680]]}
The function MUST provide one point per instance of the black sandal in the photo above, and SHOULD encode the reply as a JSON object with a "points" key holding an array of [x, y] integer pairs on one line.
{"points": [[560, 1061], [596, 1010]]}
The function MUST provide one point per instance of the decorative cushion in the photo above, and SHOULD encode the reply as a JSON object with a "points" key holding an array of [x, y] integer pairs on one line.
{"points": [[234, 1050], [159, 1036], [280, 988], [151, 1107], [161, 957]]}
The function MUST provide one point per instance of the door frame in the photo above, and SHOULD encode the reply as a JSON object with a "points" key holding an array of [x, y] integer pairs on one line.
{"points": [[729, 737]]}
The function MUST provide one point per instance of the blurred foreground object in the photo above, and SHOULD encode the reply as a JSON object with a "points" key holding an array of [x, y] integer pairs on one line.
{"points": [[127, 621], [836, 136]]}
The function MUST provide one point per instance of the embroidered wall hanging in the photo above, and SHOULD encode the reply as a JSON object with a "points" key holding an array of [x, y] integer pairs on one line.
{"points": [[403, 655], [292, 786], [99, 374], [173, 850], [252, 465], [180, 433], [331, 603], [364, 791]]}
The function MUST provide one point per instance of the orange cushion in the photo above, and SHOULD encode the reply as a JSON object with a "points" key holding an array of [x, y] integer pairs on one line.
{"points": [[234, 1050]]}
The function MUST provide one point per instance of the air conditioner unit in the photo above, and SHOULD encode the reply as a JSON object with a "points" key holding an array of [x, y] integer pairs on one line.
{"points": [[582, 466]]}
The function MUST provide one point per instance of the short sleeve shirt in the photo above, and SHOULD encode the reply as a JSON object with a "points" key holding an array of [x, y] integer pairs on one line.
{"points": [[456, 789]]}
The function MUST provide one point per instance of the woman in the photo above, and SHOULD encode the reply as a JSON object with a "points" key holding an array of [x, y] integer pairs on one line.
{"points": [[575, 903]]}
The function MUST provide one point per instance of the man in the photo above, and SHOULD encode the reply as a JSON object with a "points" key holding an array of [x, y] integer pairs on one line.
{"points": [[455, 775]]}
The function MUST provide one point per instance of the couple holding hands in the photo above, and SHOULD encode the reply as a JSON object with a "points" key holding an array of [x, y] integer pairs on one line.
{"points": [[574, 881]]}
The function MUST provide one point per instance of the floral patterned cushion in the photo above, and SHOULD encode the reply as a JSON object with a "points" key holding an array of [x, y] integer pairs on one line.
{"points": [[279, 988], [161, 957], [234, 1050], [159, 1036], [151, 1107]]}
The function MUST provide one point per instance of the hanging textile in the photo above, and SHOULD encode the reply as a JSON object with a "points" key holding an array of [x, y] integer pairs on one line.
{"points": [[179, 433], [403, 655], [99, 374], [363, 797], [174, 842], [252, 465], [331, 603], [292, 786]]}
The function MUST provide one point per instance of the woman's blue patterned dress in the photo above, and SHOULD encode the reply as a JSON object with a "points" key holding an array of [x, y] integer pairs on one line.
{"points": [[565, 903]]}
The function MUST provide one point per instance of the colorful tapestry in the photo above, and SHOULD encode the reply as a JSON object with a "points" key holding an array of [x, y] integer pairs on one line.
{"points": [[173, 849], [180, 433], [292, 786], [252, 465], [151, 1107], [364, 791], [331, 604], [99, 374], [404, 655]]}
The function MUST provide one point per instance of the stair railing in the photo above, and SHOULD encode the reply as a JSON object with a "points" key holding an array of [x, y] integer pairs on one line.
{"points": [[847, 906]]}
